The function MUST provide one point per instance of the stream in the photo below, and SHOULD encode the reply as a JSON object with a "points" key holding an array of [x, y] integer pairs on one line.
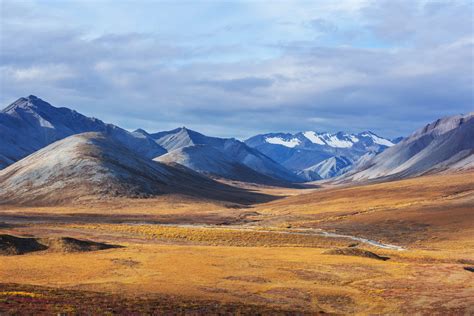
{"points": [[308, 231]]}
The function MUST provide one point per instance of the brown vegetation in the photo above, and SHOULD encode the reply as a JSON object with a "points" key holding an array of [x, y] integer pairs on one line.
{"points": [[262, 259], [355, 252], [13, 245]]}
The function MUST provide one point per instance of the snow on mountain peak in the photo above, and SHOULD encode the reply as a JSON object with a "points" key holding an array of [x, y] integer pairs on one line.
{"points": [[291, 143], [314, 138], [335, 141], [376, 139], [30, 104], [353, 138], [338, 140]]}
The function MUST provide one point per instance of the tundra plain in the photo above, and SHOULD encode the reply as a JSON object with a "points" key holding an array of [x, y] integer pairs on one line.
{"points": [[400, 247]]}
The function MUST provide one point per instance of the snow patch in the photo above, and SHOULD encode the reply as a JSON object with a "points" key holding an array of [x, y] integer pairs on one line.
{"points": [[353, 138], [334, 141], [280, 141], [314, 138], [379, 140]]}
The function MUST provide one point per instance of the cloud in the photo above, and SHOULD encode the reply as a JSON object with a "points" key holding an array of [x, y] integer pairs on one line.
{"points": [[239, 85], [323, 26], [419, 22], [386, 66]]}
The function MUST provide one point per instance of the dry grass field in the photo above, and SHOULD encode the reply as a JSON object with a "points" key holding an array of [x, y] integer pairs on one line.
{"points": [[200, 257]]}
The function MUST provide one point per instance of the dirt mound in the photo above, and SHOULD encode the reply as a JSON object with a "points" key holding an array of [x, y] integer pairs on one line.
{"points": [[13, 245], [355, 252], [68, 244]]}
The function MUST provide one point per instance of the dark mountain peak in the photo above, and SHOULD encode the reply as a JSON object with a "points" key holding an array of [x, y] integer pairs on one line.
{"points": [[191, 133], [21, 102], [33, 97], [184, 133], [141, 131], [30, 102], [184, 130], [367, 132]]}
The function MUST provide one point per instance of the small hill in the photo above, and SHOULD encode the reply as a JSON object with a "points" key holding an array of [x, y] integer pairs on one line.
{"points": [[93, 166], [13, 245]]}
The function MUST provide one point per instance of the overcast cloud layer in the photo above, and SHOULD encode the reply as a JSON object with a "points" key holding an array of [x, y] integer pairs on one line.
{"points": [[241, 68]]}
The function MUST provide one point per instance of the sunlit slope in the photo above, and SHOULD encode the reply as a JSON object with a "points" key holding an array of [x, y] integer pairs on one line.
{"points": [[95, 166], [443, 146], [397, 211]]}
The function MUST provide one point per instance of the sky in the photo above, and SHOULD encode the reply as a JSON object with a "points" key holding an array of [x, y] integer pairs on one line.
{"points": [[240, 68]]}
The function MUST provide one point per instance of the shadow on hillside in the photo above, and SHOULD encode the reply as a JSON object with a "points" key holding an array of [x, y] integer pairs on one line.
{"points": [[202, 187]]}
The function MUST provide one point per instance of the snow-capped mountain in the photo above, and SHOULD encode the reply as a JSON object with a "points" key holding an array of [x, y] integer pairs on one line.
{"points": [[95, 165], [301, 152], [312, 139], [30, 124], [446, 144], [230, 150]]}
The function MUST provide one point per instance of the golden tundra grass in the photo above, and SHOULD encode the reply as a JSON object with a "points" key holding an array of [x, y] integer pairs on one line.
{"points": [[431, 216], [300, 278]]}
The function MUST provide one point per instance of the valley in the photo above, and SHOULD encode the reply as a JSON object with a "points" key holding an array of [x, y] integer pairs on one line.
{"points": [[180, 222], [191, 255], [260, 158]]}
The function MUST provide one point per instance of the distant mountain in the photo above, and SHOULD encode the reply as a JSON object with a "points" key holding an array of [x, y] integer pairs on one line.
{"points": [[220, 156], [210, 161], [30, 124], [95, 165], [301, 152], [444, 145], [328, 168]]}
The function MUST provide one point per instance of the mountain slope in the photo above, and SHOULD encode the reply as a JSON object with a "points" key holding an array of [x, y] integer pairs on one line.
{"points": [[328, 168], [93, 165], [30, 124], [210, 161], [228, 148], [446, 144]]}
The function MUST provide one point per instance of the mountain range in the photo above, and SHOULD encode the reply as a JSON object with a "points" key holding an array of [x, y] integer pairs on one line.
{"points": [[222, 157], [35, 137], [314, 155]]}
